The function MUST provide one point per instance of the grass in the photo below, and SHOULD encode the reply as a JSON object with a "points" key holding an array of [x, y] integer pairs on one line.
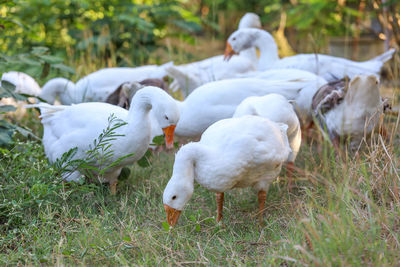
{"points": [[344, 211]]}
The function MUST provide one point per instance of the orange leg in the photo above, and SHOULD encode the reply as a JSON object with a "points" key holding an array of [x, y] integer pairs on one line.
{"points": [[220, 205], [262, 196]]}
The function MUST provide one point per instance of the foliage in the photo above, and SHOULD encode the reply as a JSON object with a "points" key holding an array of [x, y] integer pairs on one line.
{"points": [[38, 63], [119, 32], [318, 19], [27, 185], [7, 128], [98, 158]]}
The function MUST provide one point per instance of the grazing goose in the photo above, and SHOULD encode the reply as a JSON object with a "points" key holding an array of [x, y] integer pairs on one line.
{"points": [[232, 153], [329, 67], [97, 86], [276, 108], [349, 108], [66, 127], [24, 84], [188, 77]]}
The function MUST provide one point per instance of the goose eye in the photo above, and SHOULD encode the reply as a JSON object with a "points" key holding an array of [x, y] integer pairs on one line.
{"points": [[234, 39], [166, 117], [174, 197]]}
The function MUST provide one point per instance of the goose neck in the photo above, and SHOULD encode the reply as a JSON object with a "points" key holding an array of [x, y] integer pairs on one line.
{"points": [[60, 87], [140, 107], [185, 162], [268, 50]]}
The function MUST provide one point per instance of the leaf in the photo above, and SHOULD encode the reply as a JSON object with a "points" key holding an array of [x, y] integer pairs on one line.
{"points": [[158, 140], [127, 239], [198, 227], [39, 50], [5, 137], [7, 108], [26, 132], [145, 160], [63, 67], [165, 225], [192, 218], [51, 59], [7, 89], [29, 61], [8, 86], [187, 25]]}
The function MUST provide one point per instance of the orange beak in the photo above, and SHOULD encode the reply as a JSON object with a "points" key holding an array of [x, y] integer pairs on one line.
{"points": [[229, 52], [169, 136], [172, 215]]}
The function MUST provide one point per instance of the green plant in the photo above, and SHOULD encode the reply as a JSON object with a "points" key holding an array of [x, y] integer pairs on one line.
{"points": [[7, 129], [114, 32], [98, 158], [38, 62]]}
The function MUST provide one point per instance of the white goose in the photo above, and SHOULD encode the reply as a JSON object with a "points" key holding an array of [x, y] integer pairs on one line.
{"points": [[218, 100], [329, 67], [276, 108], [232, 153], [24, 84], [66, 127], [188, 77], [97, 86], [349, 109]]}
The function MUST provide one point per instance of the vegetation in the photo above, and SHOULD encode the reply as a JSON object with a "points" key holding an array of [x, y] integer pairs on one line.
{"points": [[342, 212], [344, 209]]}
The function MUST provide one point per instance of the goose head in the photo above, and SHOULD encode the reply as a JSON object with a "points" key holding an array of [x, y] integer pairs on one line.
{"points": [[250, 20], [165, 110], [180, 187], [176, 195], [240, 40]]}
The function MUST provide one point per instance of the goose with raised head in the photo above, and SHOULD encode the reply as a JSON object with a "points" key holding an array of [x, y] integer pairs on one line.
{"points": [[233, 153], [188, 77], [67, 127], [97, 86], [329, 67], [349, 109]]}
